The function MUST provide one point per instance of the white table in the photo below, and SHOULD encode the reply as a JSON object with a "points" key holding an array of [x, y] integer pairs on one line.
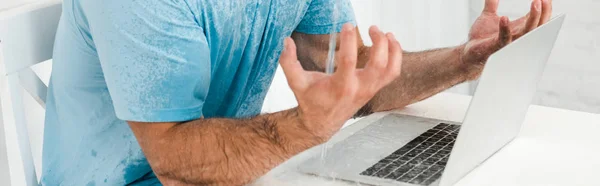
{"points": [[555, 147]]}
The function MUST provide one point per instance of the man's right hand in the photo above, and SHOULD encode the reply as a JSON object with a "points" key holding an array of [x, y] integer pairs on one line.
{"points": [[325, 101]]}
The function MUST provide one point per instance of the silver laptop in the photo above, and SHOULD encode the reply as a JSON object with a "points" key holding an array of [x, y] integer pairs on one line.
{"points": [[408, 150]]}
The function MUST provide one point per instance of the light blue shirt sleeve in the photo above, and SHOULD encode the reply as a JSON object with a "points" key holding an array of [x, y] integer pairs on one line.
{"points": [[325, 16], [155, 59]]}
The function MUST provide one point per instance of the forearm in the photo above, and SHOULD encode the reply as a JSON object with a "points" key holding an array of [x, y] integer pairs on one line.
{"points": [[226, 151], [424, 74]]}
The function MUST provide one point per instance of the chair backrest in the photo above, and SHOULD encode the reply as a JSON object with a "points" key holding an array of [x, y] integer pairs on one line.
{"points": [[26, 38]]}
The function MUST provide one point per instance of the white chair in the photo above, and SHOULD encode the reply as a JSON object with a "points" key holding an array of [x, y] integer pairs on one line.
{"points": [[26, 38]]}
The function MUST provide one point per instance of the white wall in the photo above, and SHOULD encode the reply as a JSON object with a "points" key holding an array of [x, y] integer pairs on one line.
{"points": [[572, 78]]}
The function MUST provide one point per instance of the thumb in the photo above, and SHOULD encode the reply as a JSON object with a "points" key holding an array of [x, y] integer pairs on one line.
{"points": [[294, 72], [505, 36]]}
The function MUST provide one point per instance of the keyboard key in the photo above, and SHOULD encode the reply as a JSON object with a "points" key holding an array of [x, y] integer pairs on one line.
{"points": [[412, 144], [386, 161], [446, 158], [374, 168], [441, 126], [420, 138], [369, 172], [448, 139], [430, 172], [404, 179], [399, 172], [422, 147], [405, 168], [429, 162], [414, 173], [416, 151], [417, 180], [393, 156], [448, 148], [454, 128], [402, 151], [441, 143], [394, 175], [436, 168], [384, 172], [417, 160], [404, 158], [431, 179], [431, 151], [397, 163], [413, 154], [443, 162], [430, 132], [437, 147], [434, 138], [429, 143], [439, 156], [418, 170], [440, 135]]}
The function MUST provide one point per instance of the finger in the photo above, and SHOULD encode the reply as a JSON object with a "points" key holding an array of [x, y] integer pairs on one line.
{"points": [[546, 11], [491, 6], [394, 65], [291, 66], [505, 37], [347, 52], [379, 51], [534, 16]]}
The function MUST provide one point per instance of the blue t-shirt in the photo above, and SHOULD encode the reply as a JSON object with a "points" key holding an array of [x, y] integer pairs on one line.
{"points": [[160, 61]]}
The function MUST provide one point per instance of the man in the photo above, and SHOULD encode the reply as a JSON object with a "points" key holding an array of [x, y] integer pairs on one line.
{"points": [[151, 92]]}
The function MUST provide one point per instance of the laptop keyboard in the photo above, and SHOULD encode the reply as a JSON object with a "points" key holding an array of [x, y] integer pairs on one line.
{"points": [[422, 160]]}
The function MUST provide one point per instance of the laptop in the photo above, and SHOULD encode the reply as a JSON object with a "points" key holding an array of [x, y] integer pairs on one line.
{"points": [[415, 151]]}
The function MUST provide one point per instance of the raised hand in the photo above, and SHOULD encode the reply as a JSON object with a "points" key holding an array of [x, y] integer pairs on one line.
{"points": [[491, 32], [325, 101]]}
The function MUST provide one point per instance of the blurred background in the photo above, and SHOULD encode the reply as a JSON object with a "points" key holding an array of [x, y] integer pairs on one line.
{"points": [[571, 79]]}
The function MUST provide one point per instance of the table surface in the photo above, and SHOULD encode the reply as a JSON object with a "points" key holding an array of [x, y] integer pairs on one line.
{"points": [[554, 147]]}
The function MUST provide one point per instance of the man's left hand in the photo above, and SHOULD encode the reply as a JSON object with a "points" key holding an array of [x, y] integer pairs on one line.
{"points": [[491, 32]]}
